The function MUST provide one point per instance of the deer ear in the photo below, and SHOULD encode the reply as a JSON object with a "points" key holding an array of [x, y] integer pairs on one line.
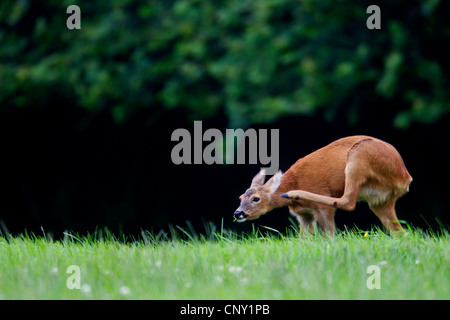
{"points": [[258, 180], [275, 181]]}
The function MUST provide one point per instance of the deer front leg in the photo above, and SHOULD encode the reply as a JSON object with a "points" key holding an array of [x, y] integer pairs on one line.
{"points": [[325, 219], [305, 218]]}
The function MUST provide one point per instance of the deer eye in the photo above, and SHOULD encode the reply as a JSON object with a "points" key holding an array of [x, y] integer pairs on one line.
{"points": [[255, 199]]}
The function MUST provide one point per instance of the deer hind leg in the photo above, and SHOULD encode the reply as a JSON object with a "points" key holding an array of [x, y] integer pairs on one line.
{"points": [[386, 214], [347, 202]]}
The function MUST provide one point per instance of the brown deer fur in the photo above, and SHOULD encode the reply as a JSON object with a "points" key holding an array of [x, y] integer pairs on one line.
{"points": [[335, 176]]}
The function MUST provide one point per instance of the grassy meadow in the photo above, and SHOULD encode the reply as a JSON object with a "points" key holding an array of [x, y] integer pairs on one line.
{"points": [[223, 265]]}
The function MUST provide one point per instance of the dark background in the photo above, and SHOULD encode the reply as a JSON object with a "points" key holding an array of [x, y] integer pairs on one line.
{"points": [[86, 115]]}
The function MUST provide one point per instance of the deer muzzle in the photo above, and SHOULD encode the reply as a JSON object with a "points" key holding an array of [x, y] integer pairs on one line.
{"points": [[240, 216]]}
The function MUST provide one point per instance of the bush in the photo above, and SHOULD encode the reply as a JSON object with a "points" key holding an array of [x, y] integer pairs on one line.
{"points": [[255, 60]]}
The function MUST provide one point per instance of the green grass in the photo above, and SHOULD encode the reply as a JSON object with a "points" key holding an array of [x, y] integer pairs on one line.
{"points": [[228, 266]]}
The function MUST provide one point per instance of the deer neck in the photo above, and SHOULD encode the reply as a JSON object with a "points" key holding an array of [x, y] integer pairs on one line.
{"points": [[276, 200]]}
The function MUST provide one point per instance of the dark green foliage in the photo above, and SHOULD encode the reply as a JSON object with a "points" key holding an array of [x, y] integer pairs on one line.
{"points": [[256, 60]]}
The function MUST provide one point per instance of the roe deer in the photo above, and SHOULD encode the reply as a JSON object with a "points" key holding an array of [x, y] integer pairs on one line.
{"points": [[335, 176]]}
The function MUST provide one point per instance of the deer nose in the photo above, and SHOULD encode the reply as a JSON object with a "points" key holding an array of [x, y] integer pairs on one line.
{"points": [[240, 214]]}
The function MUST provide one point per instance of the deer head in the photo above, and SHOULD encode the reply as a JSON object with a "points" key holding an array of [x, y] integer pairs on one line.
{"points": [[256, 201]]}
